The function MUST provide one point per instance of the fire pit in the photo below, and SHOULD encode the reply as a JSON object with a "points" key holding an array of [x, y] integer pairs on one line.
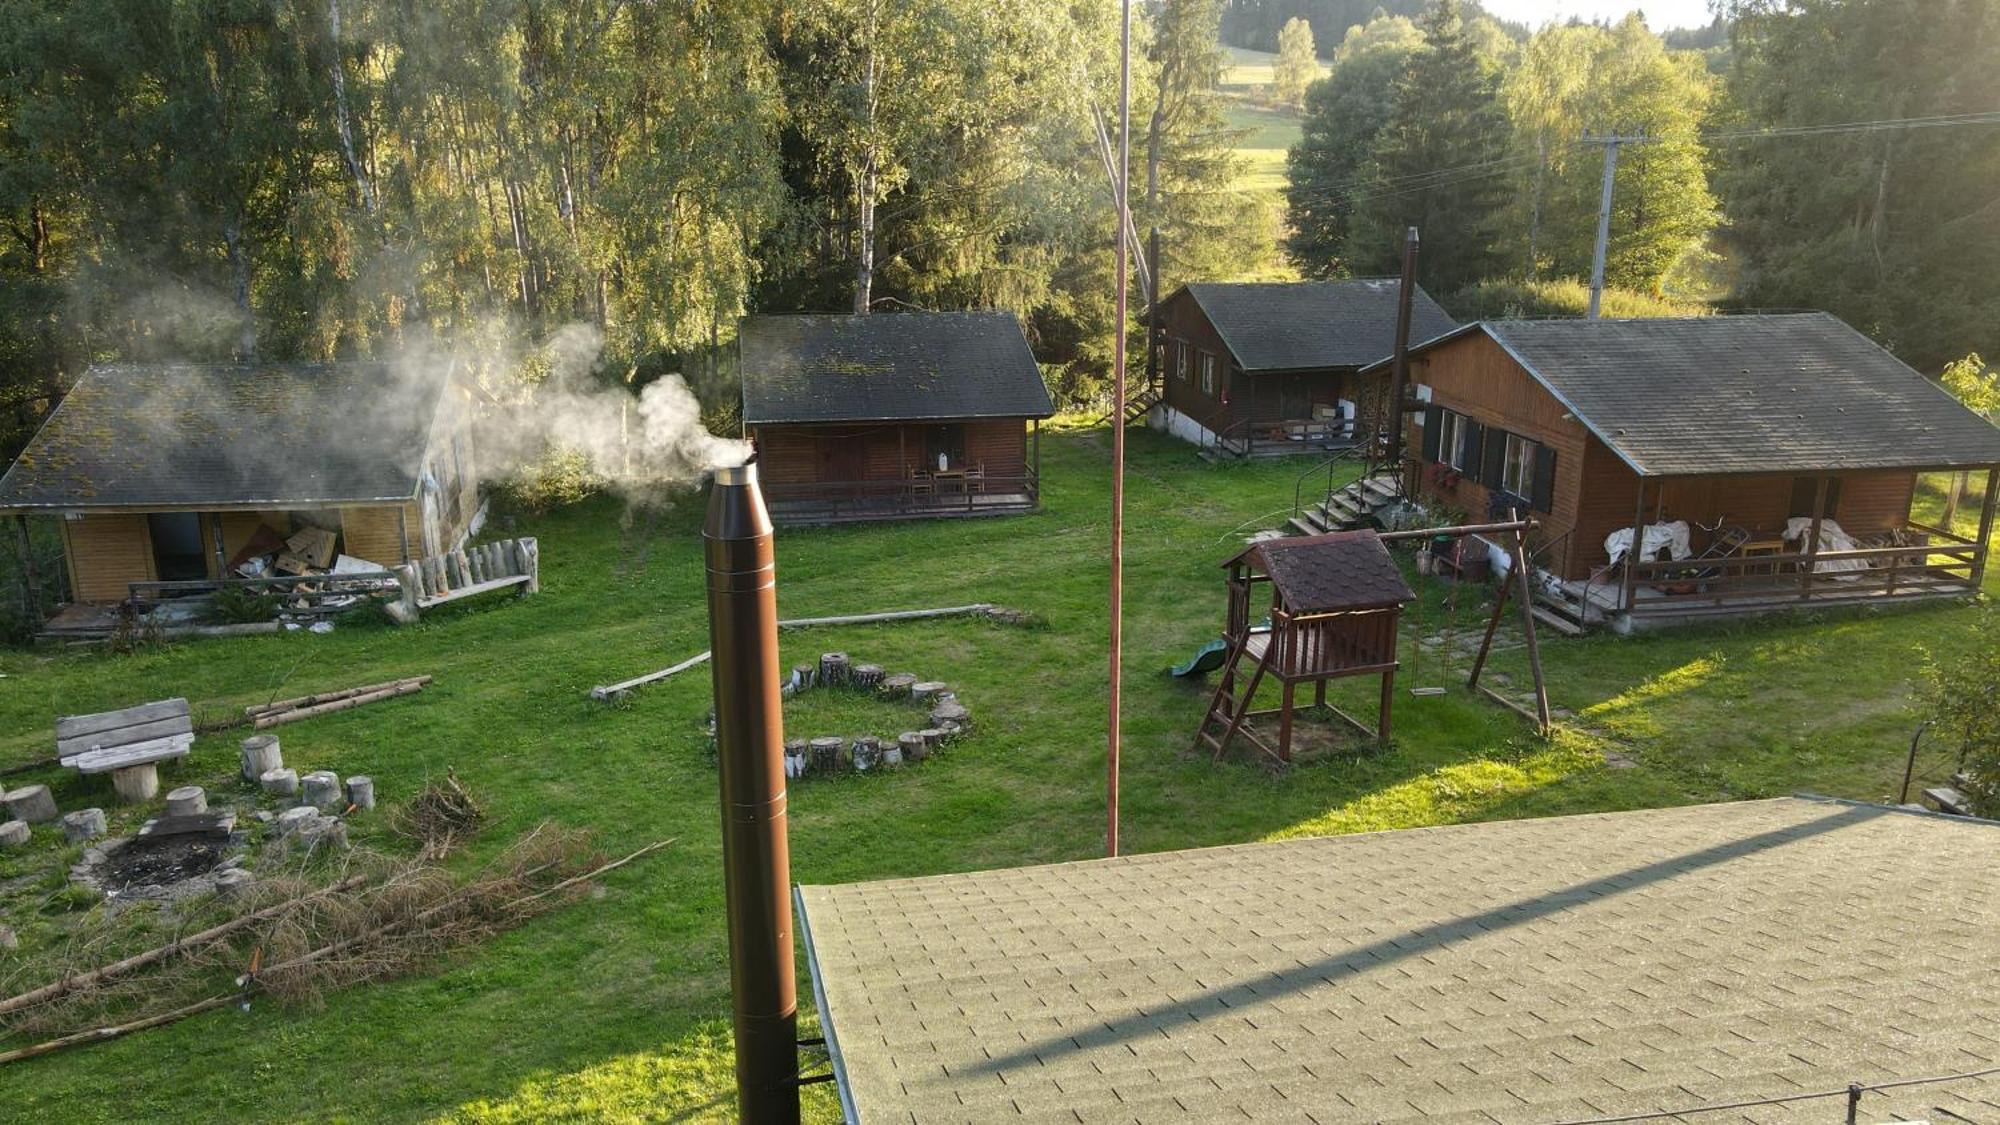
{"points": [[158, 867]]}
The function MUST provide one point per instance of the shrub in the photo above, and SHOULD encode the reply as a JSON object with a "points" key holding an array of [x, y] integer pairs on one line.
{"points": [[561, 477], [1561, 297], [239, 605], [1958, 695]]}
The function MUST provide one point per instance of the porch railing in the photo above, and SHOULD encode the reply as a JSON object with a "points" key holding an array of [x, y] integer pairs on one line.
{"points": [[1803, 576], [929, 495]]}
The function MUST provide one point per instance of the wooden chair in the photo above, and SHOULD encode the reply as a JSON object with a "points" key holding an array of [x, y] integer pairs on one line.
{"points": [[921, 483], [975, 477]]}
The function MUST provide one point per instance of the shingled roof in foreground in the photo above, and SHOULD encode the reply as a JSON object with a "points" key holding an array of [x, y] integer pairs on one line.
{"points": [[909, 367], [1518, 971]]}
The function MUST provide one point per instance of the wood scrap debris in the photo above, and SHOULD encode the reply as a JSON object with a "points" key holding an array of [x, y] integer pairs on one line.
{"points": [[282, 711], [976, 609]]}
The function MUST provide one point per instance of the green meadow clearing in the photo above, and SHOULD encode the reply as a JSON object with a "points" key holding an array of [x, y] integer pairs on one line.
{"points": [[616, 1007]]}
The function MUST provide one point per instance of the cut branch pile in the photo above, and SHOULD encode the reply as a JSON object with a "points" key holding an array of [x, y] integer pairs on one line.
{"points": [[438, 816], [265, 715], [403, 917]]}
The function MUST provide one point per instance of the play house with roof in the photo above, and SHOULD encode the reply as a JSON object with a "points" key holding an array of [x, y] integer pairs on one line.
{"points": [[1274, 368], [1761, 461], [162, 473], [893, 415]]}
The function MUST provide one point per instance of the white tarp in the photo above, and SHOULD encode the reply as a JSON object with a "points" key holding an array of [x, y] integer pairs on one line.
{"points": [[1672, 537], [1831, 538]]}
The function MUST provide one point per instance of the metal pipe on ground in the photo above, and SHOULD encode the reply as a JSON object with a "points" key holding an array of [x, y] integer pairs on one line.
{"points": [[750, 742]]}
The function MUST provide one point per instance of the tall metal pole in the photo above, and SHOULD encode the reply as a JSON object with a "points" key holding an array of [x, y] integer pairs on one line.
{"points": [[1118, 429], [1399, 379], [750, 741]]}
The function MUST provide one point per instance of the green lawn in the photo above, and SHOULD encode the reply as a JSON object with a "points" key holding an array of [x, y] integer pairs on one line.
{"points": [[1267, 131], [616, 1007]]}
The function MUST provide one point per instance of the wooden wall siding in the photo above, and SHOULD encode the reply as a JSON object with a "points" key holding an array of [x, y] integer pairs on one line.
{"points": [[374, 534], [1181, 318], [1477, 378], [882, 451], [1288, 398], [453, 420], [107, 553], [1872, 503]]}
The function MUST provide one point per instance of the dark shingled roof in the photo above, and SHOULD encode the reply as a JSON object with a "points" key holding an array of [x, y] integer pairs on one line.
{"points": [[1746, 394], [902, 367], [1334, 571], [1517, 972], [1294, 325], [175, 435]]}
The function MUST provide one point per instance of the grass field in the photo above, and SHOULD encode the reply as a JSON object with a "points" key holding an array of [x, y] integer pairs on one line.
{"points": [[1268, 131], [615, 1008]]}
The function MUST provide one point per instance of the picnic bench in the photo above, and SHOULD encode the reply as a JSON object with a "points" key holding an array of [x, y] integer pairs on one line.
{"points": [[129, 744]]}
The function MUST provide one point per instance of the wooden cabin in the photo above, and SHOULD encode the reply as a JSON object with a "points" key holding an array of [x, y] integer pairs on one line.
{"points": [[1775, 439], [173, 472], [1271, 368], [893, 415], [1333, 604]]}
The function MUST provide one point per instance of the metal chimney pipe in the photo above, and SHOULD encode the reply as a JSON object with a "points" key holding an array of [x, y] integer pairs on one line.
{"points": [[750, 741], [1399, 380]]}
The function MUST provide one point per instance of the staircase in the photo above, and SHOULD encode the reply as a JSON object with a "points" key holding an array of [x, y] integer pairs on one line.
{"points": [[1229, 706], [1137, 404], [1348, 507]]}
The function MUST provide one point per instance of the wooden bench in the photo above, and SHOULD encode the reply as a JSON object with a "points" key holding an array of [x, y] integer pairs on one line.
{"points": [[1949, 800], [129, 744]]}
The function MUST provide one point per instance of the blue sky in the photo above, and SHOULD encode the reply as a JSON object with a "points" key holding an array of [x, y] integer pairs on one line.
{"points": [[1660, 14]]}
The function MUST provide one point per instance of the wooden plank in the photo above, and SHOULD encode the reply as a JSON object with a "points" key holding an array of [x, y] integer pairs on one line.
{"points": [[158, 750], [197, 824], [124, 736], [69, 726], [473, 590]]}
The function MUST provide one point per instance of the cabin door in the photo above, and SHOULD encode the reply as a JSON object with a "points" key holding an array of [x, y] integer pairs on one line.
{"points": [[842, 458], [178, 555]]}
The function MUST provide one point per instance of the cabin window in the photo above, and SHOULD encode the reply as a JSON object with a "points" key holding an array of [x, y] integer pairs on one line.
{"points": [[1181, 350], [1207, 374], [1517, 467], [1452, 431]]}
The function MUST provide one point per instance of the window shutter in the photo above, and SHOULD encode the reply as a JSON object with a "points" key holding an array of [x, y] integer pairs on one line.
{"points": [[1545, 479], [1493, 457], [1433, 430]]}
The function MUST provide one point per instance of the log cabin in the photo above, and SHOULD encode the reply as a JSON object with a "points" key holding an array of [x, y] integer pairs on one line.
{"points": [[1776, 456], [162, 473], [893, 415], [1273, 368]]}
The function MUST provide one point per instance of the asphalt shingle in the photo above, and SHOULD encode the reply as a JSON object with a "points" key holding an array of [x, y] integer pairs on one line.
{"points": [[1517, 971], [913, 366], [1333, 571], [1299, 325], [199, 434]]}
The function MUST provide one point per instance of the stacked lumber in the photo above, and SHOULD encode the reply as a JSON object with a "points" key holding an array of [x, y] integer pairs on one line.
{"points": [[282, 711]]}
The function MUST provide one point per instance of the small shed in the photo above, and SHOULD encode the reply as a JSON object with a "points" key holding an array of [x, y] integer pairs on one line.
{"points": [[1333, 604], [179, 472], [1254, 368], [893, 415]]}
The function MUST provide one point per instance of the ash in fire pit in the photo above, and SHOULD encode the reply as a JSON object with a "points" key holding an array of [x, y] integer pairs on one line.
{"points": [[157, 867]]}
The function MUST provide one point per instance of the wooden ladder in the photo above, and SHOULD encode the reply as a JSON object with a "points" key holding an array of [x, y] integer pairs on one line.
{"points": [[1229, 710]]}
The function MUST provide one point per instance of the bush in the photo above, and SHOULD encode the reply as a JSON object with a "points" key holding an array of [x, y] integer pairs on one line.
{"points": [[1958, 696], [239, 605], [1497, 300], [562, 477]]}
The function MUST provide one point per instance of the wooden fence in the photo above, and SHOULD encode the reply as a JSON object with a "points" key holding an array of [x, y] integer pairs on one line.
{"points": [[406, 590]]}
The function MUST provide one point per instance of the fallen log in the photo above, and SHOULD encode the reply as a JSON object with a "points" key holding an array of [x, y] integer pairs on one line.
{"points": [[105, 1034], [607, 691], [256, 709], [65, 986], [279, 718], [24, 767]]}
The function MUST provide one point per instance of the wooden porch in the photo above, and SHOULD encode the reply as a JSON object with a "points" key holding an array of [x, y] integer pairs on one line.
{"points": [[921, 495]]}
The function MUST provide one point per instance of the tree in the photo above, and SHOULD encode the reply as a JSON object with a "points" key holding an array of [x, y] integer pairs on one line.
{"points": [[1297, 64], [1436, 163], [1957, 698], [1345, 111], [1894, 230], [1973, 383], [1582, 77]]}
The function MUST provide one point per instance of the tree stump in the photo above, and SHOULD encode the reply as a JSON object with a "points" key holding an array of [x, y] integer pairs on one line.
{"points": [[83, 824], [795, 759], [867, 752], [867, 677], [892, 755], [951, 730], [933, 739], [361, 791], [834, 669], [951, 711], [898, 686], [136, 783], [260, 756], [912, 745], [188, 800], [279, 782], [802, 677], [31, 803], [291, 820], [320, 789], [13, 834], [234, 882], [826, 755], [322, 834], [926, 691]]}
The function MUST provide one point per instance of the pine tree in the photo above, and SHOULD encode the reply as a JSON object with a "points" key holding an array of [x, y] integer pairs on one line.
{"points": [[1437, 163], [1344, 113]]}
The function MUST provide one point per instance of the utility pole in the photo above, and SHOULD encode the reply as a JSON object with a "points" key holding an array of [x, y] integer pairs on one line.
{"points": [[1399, 380], [1611, 143], [1122, 181]]}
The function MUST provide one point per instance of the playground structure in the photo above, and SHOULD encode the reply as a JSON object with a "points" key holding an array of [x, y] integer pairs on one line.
{"points": [[1336, 603]]}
